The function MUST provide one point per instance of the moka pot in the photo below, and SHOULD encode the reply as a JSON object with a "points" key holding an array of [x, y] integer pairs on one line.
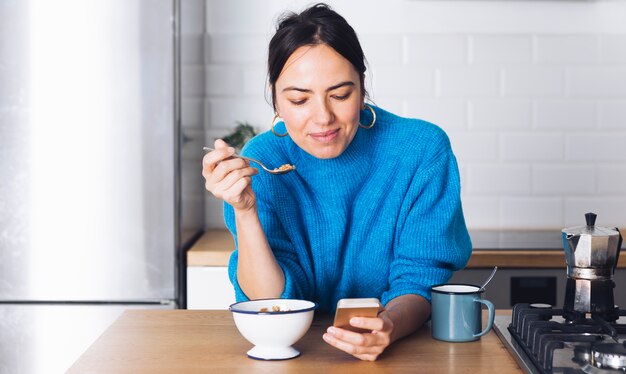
{"points": [[591, 254]]}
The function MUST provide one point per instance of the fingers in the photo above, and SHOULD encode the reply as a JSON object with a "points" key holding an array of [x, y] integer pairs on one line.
{"points": [[228, 166], [227, 177], [235, 194], [347, 337], [353, 338], [213, 158], [367, 346], [224, 178], [218, 164], [219, 143], [368, 323]]}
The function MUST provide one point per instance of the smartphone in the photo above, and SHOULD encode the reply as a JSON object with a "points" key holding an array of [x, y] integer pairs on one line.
{"points": [[348, 308]]}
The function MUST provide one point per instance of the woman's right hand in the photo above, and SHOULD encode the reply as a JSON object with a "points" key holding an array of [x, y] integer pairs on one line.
{"points": [[229, 178]]}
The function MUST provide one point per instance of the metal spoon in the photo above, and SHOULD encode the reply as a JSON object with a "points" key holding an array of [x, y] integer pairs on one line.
{"points": [[495, 268], [275, 171]]}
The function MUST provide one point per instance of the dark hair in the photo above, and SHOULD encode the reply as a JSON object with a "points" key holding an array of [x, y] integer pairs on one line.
{"points": [[318, 24]]}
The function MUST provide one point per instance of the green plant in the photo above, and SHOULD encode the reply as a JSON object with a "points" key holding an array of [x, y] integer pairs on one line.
{"points": [[240, 136]]}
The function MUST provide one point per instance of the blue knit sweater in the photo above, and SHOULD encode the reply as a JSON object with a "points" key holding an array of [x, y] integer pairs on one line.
{"points": [[382, 220]]}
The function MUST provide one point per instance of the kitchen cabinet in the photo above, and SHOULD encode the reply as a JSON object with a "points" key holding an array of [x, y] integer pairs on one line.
{"points": [[208, 286]]}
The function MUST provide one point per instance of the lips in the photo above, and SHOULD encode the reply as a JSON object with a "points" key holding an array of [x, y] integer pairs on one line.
{"points": [[325, 136]]}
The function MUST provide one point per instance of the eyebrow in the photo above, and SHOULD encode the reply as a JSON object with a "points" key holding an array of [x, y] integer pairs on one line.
{"points": [[334, 87]]}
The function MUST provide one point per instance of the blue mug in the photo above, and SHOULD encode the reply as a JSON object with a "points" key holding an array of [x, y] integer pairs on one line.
{"points": [[457, 314]]}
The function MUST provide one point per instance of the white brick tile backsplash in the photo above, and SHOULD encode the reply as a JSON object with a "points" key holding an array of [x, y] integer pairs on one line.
{"points": [[596, 81], [535, 110], [192, 79], [437, 49], [613, 49], [236, 48], [469, 147], [481, 212], [611, 211], [449, 114], [566, 49], [531, 212], [496, 49], [466, 81], [498, 180], [567, 180], [611, 179], [612, 114], [500, 114], [533, 81], [590, 147], [382, 49], [532, 147], [393, 104], [403, 80], [254, 80], [242, 16], [565, 114], [192, 49], [224, 80], [192, 112], [225, 112]]}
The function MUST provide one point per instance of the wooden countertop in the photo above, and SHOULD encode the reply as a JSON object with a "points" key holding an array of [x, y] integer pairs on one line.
{"points": [[216, 245], [212, 249], [190, 341]]}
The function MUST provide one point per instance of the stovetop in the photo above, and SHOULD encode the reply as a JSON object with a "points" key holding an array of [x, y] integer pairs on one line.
{"points": [[570, 351]]}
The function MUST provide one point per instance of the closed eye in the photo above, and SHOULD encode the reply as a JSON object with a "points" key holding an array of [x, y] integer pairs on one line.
{"points": [[298, 102], [342, 97]]}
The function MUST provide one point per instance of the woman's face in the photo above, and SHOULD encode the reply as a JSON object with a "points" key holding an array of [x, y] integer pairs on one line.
{"points": [[318, 94]]}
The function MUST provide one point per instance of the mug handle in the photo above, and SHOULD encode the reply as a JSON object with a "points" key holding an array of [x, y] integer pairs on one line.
{"points": [[492, 314]]}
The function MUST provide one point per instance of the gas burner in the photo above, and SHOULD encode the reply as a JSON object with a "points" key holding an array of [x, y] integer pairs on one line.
{"points": [[550, 344], [609, 356], [576, 338], [590, 369], [582, 354]]}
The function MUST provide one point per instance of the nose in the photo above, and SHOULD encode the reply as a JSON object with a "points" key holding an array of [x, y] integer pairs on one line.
{"points": [[323, 114]]}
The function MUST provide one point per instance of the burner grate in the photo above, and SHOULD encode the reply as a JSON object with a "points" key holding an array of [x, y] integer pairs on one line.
{"points": [[539, 336]]}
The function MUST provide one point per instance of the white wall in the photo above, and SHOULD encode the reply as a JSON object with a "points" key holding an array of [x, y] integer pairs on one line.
{"points": [[531, 93]]}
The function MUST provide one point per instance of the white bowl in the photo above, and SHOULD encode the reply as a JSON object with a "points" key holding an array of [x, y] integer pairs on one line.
{"points": [[273, 333]]}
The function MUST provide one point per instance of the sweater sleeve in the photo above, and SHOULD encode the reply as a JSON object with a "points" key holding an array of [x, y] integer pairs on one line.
{"points": [[297, 282], [431, 240]]}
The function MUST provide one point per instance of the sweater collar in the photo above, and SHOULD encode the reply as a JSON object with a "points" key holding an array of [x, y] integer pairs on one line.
{"points": [[356, 155]]}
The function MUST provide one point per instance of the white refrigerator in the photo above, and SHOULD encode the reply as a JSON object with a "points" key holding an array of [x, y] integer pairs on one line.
{"points": [[89, 173]]}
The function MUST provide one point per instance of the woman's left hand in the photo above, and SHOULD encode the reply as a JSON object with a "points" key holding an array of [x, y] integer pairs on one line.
{"points": [[365, 346]]}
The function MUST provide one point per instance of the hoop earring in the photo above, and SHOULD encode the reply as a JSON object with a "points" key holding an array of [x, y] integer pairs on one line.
{"points": [[274, 131], [373, 120]]}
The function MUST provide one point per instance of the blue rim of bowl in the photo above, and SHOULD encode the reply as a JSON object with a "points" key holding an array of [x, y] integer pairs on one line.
{"points": [[233, 306], [432, 289]]}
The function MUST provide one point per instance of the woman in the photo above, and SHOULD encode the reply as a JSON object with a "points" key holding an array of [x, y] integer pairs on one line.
{"points": [[373, 207]]}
